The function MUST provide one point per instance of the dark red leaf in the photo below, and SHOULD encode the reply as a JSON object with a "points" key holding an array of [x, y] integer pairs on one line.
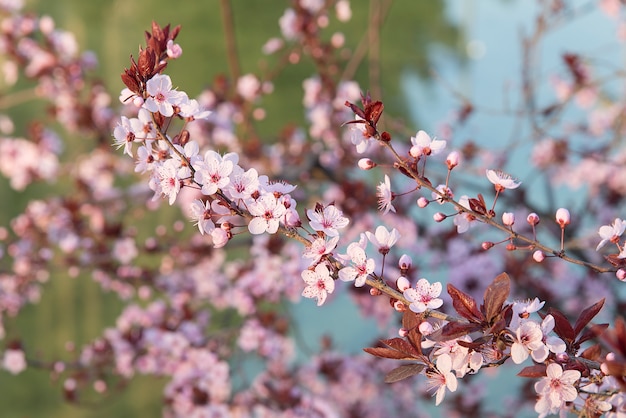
{"points": [[538, 370], [587, 315], [410, 322], [495, 296], [357, 111], [592, 353], [477, 206], [403, 372], [562, 327], [465, 305], [373, 112], [593, 332], [402, 345], [385, 352], [453, 330]]}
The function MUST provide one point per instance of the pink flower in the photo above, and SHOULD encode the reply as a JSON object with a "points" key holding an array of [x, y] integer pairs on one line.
{"points": [[383, 239], [501, 180], [442, 378], [385, 196], [124, 136], [611, 233], [214, 170], [162, 98], [242, 183], [529, 339], [523, 309], [319, 283], [555, 389], [14, 361], [267, 211], [201, 214], [361, 265], [327, 220], [319, 248], [165, 180], [464, 220], [424, 296], [423, 144]]}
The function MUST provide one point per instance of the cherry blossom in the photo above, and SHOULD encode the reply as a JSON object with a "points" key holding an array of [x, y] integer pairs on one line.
{"points": [[319, 283], [442, 378], [383, 239], [124, 136], [464, 220], [528, 339], [424, 296], [201, 214], [242, 183], [611, 233], [267, 212], [423, 144], [14, 361], [165, 180], [385, 196], [502, 180], [213, 171], [162, 98], [361, 265], [328, 220], [319, 248], [555, 389]]}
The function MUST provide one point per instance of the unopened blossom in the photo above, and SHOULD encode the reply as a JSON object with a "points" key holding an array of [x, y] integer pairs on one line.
{"points": [[555, 389], [366, 164], [611, 233], [328, 220], [173, 50], [214, 170], [453, 159], [508, 218], [424, 296], [319, 283], [402, 283], [405, 262], [385, 196], [502, 180], [533, 219], [359, 136], [423, 144], [528, 339], [539, 256], [267, 212], [383, 239], [162, 98], [563, 217], [319, 248], [360, 267], [442, 378]]}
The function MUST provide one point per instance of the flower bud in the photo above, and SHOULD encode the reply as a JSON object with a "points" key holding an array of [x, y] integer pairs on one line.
{"points": [[533, 219], [453, 159], [405, 262], [439, 217], [487, 245], [562, 217], [403, 332], [399, 306], [562, 357], [621, 274], [425, 328], [366, 164], [375, 292], [539, 256], [403, 283], [508, 218], [511, 247], [422, 202]]}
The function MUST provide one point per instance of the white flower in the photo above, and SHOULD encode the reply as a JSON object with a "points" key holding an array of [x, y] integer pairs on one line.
{"points": [[319, 283], [529, 339], [442, 378], [267, 211], [555, 389], [361, 265], [124, 136], [214, 170], [424, 296], [464, 220], [501, 180], [385, 196], [423, 144], [328, 220], [383, 239], [165, 180], [201, 214], [523, 309], [319, 248], [611, 233], [162, 98]]}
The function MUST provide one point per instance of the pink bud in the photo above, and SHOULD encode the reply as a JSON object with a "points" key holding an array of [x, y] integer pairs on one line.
{"points": [[405, 262], [438, 217], [422, 202], [375, 292], [562, 217], [403, 332], [487, 245], [539, 256], [621, 274], [511, 247], [533, 219], [453, 159], [399, 306], [403, 283], [508, 218], [562, 357], [425, 328], [366, 164]]}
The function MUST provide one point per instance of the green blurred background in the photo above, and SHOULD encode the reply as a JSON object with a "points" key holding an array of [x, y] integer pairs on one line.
{"points": [[75, 309]]}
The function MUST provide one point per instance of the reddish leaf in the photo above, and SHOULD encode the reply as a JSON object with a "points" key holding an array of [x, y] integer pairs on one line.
{"points": [[385, 352], [410, 320], [477, 206], [562, 327], [593, 332], [402, 345], [495, 296], [538, 370], [592, 353], [465, 305], [587, 315], [373, 112], [453, 330], [403, 372]]}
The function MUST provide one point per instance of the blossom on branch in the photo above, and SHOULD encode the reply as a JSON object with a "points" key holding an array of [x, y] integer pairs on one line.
{"points": [[327, 219], [611, 233], [424, 296], [162, 98], [361, 265], [423, 144], [385, 196], [319, 283], [502, 180], [555, 389], [267, 211]]}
